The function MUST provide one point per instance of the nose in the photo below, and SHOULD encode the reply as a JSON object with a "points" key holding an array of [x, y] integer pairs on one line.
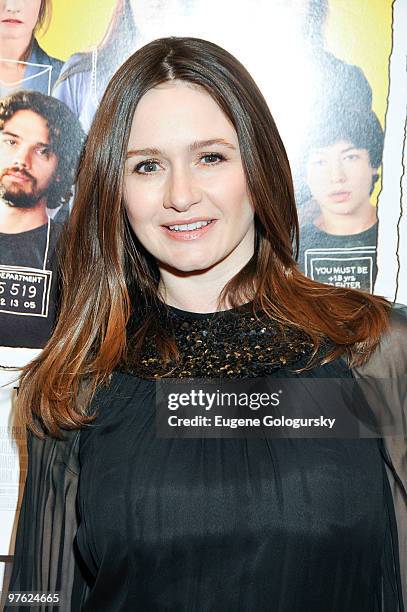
{"points": [[13, 6], [182, 190], [337, 171], [22, 158]]}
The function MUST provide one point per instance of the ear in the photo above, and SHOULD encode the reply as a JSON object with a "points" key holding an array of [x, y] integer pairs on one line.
{"points": [[375, 178], [57, 178]]}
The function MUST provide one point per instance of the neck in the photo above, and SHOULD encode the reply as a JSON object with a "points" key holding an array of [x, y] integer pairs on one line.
{"points": [[16, 220], [195, 294], [14, 48], [347, 225], [200, 291]]}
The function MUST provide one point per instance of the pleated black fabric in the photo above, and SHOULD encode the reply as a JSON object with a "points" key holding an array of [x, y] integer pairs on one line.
{"points": [[214, 525]]}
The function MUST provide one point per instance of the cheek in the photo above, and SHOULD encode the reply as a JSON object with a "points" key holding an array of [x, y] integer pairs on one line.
{"points": [[231, 194], [45, 172], [316, 181], [361, 178], [139, 206], [140, 222], [31, 14], [132, 213]]}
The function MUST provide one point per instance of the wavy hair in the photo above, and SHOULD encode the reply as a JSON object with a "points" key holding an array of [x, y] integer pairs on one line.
{"points": [[106, 275], [65, 134]]}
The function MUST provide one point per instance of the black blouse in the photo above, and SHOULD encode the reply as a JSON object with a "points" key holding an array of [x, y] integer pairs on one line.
{"points": [[118, 519]]}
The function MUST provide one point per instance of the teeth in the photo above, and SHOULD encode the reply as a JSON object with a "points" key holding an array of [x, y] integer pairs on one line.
{"points": [[189, 226]]}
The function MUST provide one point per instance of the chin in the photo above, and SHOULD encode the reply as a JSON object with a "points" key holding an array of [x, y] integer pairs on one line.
{"points": [[189, 267]]}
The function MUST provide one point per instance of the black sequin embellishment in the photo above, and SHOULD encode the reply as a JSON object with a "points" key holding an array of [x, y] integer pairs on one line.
{"points": [[230, 344]]}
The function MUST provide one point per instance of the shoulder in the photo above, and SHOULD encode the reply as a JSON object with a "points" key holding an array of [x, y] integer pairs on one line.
{"points": [[79, 64], [393, 343], [389, 359], [308, 231], [55, 231], [310, 237], [53, 454], [394, 339], [42, 56], [74, 82], [110, 397]]}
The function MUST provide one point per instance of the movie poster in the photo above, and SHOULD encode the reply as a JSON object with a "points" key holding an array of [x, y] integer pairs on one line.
{"points": [[333, 73]]}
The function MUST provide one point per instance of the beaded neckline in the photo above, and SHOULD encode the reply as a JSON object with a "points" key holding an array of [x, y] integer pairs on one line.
{"points": [[226, 344]]}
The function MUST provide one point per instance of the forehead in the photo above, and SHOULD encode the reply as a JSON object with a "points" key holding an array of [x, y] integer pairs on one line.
{"points": [[178, 113], [339, 146], [27, 125]]}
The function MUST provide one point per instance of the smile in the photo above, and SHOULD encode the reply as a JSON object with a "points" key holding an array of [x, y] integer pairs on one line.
{"points": [[189, 231], [189, 226]]}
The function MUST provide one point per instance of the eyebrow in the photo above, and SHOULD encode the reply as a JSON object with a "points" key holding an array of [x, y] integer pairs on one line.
{"points": [[194, 146], [322, 150], [349, 149], [4, 132], [40, 144]]}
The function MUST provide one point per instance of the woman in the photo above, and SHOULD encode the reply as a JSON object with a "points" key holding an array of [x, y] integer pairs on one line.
{"points": [[23, 64], [85, 76], [178, 262]]}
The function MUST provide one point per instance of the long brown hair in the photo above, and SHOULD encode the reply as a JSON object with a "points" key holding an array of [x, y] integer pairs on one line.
{"points": [[103, 267]]}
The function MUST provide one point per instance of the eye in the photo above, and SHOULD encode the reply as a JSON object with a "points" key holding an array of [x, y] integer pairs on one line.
{"points": [[43, 152], [211, 159], [351, 156], [9, 141], [317, 161], [147, 167]]}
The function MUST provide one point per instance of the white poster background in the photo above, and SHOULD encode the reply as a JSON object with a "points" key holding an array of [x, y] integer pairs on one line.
{"points": [[391, 279]]}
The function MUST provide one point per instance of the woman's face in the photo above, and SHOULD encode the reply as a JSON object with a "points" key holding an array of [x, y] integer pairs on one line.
{"points": [[185, 189], [340, 178], [18, 18]]}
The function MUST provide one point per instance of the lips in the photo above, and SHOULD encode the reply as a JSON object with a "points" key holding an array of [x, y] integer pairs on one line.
{"points": [[18, 176], [185, 227], [11, 21], [190, 229], [340, 196]]}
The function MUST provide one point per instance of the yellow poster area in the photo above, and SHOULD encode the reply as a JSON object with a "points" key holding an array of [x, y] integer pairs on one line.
{"points": [[351, 34], [75, 26], [361, 33]]}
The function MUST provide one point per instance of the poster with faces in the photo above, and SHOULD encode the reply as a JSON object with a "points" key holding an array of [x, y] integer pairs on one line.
{"points": [[331, 73], [40, 144], [325, 74]]}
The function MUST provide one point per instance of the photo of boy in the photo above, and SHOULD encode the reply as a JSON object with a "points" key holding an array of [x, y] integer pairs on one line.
{"points": [[40, 144], [342, 161]]}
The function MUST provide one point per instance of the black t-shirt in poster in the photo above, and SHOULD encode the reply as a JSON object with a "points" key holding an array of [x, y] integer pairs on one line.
{"points": [[27, 286], [343, 261]]}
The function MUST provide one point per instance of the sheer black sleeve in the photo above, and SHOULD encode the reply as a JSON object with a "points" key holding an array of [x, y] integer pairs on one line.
{"points": [[45, 558], [384, 383]]}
